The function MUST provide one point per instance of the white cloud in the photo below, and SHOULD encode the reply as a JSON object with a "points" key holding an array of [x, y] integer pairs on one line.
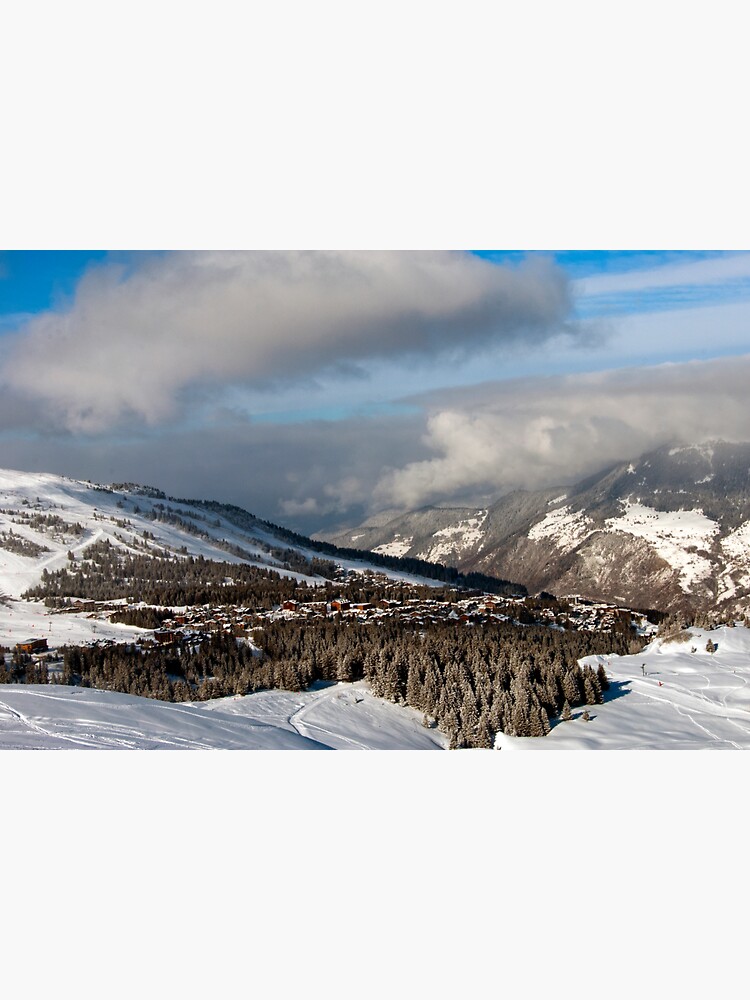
{"points": [[708, 271], [535, 433], [463, 445], [134, 346], [295, 508]]}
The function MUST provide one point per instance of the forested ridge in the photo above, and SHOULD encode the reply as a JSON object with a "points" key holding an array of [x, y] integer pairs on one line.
{"points": [[448, 575], [107, 572]]}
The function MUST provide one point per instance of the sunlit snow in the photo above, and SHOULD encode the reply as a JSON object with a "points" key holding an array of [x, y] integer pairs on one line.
{"points": [[673, 534], [398, 547], [335, 716], [565, 527], [671, 696]]}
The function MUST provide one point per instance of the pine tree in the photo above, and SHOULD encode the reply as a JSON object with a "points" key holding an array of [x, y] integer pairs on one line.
{"points": [[545, 721], [589, 691]]}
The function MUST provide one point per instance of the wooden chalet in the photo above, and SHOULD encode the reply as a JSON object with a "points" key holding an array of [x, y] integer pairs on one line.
{"points": [[32, 646]]}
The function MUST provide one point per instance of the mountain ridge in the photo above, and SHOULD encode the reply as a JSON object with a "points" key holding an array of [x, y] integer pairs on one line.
{"points": [[669, 529], [46, 521]]}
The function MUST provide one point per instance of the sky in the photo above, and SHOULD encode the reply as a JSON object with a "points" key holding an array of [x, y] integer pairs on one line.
{"points": [[320, 388]]}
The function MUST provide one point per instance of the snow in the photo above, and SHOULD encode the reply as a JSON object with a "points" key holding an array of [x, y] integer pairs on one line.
{"points": [[399, 546], [342, 716], [457, 537], [21, 620], [705, 450], [736, 547], [563, 526], [671, 534], [338, 716], [688, 699], [51, 717]]}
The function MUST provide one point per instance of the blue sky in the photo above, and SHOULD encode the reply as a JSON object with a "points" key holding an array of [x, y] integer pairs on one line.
{"points": [[324, 386], [34, 280]]}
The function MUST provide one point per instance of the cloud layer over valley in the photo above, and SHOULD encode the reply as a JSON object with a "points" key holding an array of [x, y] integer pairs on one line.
{"points": [[533, 433]]}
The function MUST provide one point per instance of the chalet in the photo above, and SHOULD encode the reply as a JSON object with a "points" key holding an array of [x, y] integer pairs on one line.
{"points": [[32, 646], [290, 606], [339, 605], [164, 636]]}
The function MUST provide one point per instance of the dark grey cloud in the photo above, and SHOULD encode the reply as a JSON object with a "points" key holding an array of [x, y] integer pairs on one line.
{"points": [[134, 345], [305, 476]]}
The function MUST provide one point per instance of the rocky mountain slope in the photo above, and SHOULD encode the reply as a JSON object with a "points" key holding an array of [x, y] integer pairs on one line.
{"points": [[668, 530]]}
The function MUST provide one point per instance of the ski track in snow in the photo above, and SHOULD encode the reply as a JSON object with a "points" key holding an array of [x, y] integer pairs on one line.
{"points": [[658, 697], [36, 728], [687, 700], [297, 720], [105, 737]]}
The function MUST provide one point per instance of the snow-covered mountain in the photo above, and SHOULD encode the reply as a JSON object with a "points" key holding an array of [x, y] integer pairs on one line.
{"points": [[46, 521], [50, 523], [670, 529]]}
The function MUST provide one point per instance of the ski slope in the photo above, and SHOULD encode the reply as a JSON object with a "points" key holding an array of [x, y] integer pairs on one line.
{"points": [[327, 717], [674, 695]]}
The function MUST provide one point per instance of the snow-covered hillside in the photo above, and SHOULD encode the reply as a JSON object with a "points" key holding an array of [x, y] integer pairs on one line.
{"points": [[673, 695], [328, 717], [46, 521], [44, 517]]}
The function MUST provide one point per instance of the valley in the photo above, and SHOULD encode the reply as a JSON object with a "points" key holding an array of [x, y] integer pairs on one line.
{"points": [[133, 619]]}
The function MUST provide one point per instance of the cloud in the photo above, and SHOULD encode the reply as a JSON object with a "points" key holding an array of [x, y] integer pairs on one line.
{"points": [[295, 508], [138, 345], [535, 433], [306, 476], [717, 270], [457, 446]]}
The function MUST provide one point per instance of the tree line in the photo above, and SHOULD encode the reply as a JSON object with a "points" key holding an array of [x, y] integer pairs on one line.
{"points": [[108, 572]]}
